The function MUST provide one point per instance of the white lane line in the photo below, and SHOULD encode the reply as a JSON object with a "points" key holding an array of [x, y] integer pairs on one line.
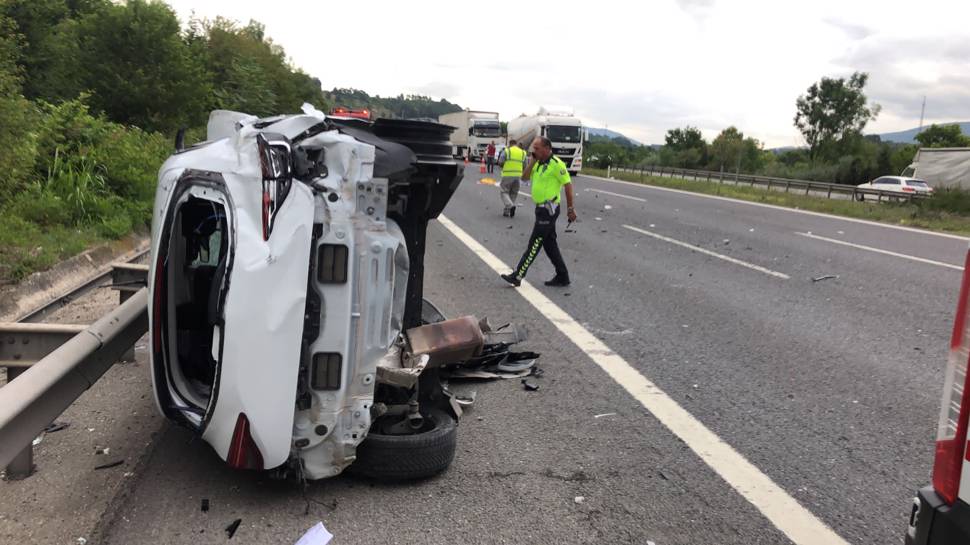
{"points": [[632, 198], [881, 251], [783, 208], [729, 259], [782, 510]]}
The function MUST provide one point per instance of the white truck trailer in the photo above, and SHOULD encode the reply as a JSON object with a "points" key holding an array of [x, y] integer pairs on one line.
{"points": [[474, 131], [941, 167], [560, 126]]}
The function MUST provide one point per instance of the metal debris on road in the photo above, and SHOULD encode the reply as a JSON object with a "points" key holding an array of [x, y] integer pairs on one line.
{"points": [[109, 465], [56, 426], [529, 385], [233, 526], [316, 535], [102, 451], [604, 414], [825, 277]]}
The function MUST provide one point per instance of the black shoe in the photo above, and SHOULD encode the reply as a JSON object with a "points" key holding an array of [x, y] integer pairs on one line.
{"points": [[506, 213], [558, 282], [511, 278], [512, 211]]}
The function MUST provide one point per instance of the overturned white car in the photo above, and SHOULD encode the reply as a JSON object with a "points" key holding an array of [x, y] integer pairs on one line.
{"points": [[286, 312]]}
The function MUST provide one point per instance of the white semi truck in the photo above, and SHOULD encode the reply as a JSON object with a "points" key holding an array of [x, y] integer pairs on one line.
{"points": [[474, 130], [560, 126], [941, 167]]}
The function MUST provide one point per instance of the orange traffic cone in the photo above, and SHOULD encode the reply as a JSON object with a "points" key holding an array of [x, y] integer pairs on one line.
{"points": [[481, 169]]}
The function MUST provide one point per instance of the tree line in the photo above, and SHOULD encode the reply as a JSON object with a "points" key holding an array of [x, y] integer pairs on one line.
{"points": [[831, 116]]}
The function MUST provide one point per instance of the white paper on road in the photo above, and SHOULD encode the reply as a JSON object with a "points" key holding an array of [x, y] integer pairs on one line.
{"points": [[317, 535]]}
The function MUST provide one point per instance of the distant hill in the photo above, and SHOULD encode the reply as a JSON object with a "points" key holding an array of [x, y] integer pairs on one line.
{"points": [[612, 135], [401, 106], [909, 136]]}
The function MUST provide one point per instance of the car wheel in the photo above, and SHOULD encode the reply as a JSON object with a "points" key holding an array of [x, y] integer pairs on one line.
{"points": [[409, 457]]}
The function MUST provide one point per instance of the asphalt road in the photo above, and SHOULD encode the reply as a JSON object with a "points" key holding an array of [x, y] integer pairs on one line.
{"points": [[830, 388]]}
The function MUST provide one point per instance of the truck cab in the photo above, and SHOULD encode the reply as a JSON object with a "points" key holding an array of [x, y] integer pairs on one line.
{"points": [[941, 511]]}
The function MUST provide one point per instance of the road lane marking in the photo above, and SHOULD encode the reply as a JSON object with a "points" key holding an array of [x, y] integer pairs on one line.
{"points": [[881, 251], [705, 251], [782, 208], [782, 510], [632, 198]]}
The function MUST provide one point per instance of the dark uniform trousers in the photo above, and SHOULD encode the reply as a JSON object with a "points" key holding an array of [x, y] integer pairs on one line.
{"points": [[544, 237]]}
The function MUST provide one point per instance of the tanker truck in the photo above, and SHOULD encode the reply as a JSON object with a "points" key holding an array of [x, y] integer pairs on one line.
{"points": [[560, 126]]}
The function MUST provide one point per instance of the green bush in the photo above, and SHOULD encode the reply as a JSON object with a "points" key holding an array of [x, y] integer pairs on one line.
{"points": [[43, 208]]}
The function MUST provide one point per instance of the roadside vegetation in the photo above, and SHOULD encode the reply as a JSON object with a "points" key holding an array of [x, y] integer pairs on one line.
{"points": [[92, 93], [947, 211], [831, 116]]}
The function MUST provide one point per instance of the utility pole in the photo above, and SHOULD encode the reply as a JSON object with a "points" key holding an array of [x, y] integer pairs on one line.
{"points": [[921, 112]]}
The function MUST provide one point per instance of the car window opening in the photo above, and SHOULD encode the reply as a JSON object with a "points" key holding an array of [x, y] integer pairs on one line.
{"points": [[199, 254]]}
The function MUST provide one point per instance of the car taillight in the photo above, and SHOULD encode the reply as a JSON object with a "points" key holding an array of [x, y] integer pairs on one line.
{"points": [[951, 437], [157, 302], [908, 189], [243, 452]]}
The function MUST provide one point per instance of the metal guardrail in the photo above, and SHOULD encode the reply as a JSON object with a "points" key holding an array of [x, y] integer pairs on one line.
{"points": [[768, 182], [50, 365]]}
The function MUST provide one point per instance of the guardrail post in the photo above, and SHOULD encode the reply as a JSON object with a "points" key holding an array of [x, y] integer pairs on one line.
{"points": [[641, 174], [829, 196], [787, 186], [22, 466]]}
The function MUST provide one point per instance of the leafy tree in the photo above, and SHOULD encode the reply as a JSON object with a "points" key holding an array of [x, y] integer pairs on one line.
{"points": [[943, 136], [832, 111], [727, 148], [49, 56], [139, 69], [16, 141], [684, 148]]}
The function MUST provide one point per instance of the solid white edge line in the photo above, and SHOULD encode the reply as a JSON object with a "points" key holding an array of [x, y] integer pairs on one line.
{"points": [[632, 198], [783, 208], [783, 511], [727, 258], [881, 251]]}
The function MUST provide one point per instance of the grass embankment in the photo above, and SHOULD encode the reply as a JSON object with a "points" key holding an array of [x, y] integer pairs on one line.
{"points": [[79, 180], [947, 211]]}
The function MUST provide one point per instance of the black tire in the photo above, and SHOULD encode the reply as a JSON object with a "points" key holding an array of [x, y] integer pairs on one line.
{"points": [[409, 457]]}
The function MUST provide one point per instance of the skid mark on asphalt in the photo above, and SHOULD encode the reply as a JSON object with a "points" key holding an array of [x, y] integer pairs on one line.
{"points": [[783, 511], [881, 251], [705, 251]]}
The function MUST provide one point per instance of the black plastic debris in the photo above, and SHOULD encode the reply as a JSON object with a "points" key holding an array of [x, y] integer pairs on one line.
{"points": [[529, 385], [109, 465], [825, 277], [231, 529], [56, 426], [205, 505]]}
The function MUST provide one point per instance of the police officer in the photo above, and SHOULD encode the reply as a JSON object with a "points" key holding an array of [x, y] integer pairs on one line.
{"points": [[549, 175], [512, 161]]}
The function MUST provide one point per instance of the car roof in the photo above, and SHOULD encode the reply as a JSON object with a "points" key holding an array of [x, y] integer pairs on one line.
{"points": [[903, 178]]}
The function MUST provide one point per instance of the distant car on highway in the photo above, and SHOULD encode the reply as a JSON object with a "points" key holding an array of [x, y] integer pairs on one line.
{"points": [[898, 184], [941, 511]]}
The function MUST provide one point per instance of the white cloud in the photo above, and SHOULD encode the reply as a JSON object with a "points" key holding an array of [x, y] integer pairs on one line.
{"points": [[641, 67]]}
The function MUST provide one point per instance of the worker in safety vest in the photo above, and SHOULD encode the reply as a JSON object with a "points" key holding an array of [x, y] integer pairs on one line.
{"points": [[549, 176], [512, 161]]}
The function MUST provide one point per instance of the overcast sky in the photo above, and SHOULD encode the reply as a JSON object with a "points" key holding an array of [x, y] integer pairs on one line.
{"points": [[638, 67]]}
